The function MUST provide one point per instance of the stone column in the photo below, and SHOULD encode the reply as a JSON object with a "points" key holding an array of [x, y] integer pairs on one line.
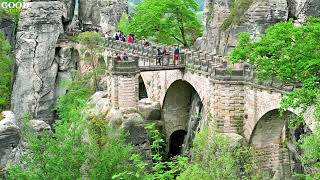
{"points": [[125, 84]]}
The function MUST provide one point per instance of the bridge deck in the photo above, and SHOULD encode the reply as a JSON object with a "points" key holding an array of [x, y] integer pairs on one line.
{"points": [[159, 67]]}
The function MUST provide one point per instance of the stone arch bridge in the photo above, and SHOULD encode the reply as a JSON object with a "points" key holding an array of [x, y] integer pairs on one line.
{"points": [[232, 99]]}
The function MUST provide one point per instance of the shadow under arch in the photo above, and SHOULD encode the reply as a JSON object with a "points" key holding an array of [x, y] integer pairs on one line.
{"points": [[142, 89], [274, 142], [182, 110]]}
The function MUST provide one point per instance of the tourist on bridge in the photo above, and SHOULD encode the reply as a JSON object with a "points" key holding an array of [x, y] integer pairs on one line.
{"points": [[146, 44], [118, 57], [125, 56], [117, 37], [166, 56], [130, 38], [176, 55], [159, 57]]}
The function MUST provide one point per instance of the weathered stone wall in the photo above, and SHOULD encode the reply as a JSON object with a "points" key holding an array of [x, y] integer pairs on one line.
{"points": [[228, 106], [126, 94]]}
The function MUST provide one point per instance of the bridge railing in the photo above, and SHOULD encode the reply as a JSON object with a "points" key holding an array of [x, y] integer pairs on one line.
{"points": [[149, 54]]}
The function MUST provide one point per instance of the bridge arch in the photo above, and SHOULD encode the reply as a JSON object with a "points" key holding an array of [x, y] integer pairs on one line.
{"points": [[274, 143], [142, 88], [182, 110]]}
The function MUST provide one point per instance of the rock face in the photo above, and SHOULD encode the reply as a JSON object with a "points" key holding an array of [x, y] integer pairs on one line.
{"points": [[149, 110], [259, 16], [100, 105], [67, 59], [68, 8], [138, 137], [101, 15], [9, 137], [34, 87], [7, 26]]}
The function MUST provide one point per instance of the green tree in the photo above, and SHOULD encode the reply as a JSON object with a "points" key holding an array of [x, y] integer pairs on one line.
{"points": [[123, 24], [167, 21], [80, 147], [290, 54], [214, 157], [92, 43], [6, 73]]}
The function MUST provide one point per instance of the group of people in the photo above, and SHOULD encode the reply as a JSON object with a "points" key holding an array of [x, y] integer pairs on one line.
{"points": [[124, 56], [161, 55], [121, 37]]}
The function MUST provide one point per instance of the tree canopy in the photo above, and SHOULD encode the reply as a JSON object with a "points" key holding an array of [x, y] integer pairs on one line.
{"points": [[167, 21]]}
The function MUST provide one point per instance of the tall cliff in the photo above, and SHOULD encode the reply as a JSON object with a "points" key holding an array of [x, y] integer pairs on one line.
{"points": [[101, 15], [38, 30], [255, 19]]}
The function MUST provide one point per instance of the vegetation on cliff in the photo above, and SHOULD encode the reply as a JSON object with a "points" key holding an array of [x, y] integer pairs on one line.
{"points": [[291, 54], [166, 21], [6, 73]]}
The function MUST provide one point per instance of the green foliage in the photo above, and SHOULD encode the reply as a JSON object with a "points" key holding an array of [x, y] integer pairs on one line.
{"points": [[311, 155], [214, 157], [163, 168], [123, 24], [78, 148], [93, 47], [6, 73], [238, 8], [288, 53], [167, 21], [291, 54]]}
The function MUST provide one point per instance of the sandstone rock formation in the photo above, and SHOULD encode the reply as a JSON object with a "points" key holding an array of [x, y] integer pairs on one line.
{"points": [[39, 126], [259, 16], [68, 8], [9, 137], [100, 105], [67, 59], [34, 87], [101, 15], [131, 122], [150, 110]]}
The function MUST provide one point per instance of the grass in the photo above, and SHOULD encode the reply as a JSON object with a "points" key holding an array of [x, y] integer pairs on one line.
{"points": [[1, 116]]}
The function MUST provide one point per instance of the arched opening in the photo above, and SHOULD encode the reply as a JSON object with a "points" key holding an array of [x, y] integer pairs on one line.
{"points": [[275, 144], [176, 142], [182, 110], [142, 89], [76, 58]]}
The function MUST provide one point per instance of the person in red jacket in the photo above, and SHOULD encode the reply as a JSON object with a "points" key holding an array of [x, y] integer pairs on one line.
{"points": [[130, 38]]}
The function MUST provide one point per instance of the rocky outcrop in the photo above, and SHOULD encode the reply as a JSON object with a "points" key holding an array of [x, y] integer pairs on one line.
{"points": [[131, 122], [101, 15], [67, 59], [39, 126], [100, 105], [9, 137], [259, 16], [35, 83], [150, 110], [7, 27], [68, 8], [138, 137]]}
